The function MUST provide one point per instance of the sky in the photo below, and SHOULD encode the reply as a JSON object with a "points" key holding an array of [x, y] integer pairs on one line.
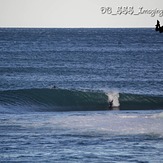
{"points": [[80, 13]]}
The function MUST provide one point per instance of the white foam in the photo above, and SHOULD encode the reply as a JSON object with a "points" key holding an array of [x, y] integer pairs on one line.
{"points": [[113, 96], [110, 123], [158, 115]]}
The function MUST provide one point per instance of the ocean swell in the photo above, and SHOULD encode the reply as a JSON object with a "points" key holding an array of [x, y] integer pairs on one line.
{"points": [[73, 100], [53, 100]]}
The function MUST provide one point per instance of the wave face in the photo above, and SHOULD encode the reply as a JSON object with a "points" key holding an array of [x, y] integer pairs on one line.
{"points": [[73, 100], [54, 100]]}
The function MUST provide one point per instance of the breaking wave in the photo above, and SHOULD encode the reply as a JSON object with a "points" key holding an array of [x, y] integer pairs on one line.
{"points": [[73, 100]]}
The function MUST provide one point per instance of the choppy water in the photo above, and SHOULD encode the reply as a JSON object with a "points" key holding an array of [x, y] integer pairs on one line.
{"points": [[73, 122], [82, 137]]}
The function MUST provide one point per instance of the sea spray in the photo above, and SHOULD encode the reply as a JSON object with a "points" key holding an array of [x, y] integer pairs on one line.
{"points": [[113, 96]]}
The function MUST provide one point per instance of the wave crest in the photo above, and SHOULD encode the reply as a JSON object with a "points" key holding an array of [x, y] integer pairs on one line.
{"points": [[74, 100]]}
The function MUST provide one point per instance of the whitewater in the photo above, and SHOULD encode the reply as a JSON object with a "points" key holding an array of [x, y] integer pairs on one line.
{"points": [[82, 137], [56, 86]]}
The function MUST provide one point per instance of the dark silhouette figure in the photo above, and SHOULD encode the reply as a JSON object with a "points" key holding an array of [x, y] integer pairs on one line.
{"points": [[158, 27], [111, 104], [53, 87]]}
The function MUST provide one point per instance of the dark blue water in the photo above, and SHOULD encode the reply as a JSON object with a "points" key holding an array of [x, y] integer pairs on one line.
{"points": [[129, 60], [73, 122]]}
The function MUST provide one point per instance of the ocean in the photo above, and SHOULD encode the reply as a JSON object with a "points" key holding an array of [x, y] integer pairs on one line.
{"points": [[81, 95]]}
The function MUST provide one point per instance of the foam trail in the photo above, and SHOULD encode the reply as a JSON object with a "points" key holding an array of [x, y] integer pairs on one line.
{"points": [[114, 96], [159, 115]]}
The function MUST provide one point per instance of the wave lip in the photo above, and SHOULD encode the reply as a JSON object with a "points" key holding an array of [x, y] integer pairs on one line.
{"points": [[74, 100]]}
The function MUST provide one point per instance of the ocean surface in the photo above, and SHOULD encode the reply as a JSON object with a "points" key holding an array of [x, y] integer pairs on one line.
{"points": [[81, 95]]}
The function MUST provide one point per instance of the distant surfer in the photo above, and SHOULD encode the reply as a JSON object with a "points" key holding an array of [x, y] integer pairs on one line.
{"points": [[158, 23], [158, 27], [111, 104], [53, 87]]}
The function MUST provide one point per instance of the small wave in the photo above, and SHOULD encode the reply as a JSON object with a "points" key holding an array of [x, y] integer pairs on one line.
{"points": [[74, 100]]}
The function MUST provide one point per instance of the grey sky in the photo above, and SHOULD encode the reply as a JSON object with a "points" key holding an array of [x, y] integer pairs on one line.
{"points": [[78, 13]]}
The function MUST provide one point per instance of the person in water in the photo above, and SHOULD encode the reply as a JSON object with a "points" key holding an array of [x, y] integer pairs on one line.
{"points": [[158, 27], [111, 104], [53, 87], [158, 24]]}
